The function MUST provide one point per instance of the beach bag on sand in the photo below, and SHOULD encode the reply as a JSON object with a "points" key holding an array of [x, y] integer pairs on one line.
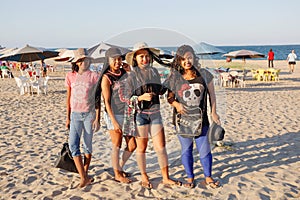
{"points": [[65, 160], [189, 124]]}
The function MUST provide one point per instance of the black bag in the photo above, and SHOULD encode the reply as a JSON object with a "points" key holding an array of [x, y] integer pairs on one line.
{"points": [[189, 124], [65, 160]]}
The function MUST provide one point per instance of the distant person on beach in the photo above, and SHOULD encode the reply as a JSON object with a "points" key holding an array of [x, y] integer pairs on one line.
{"points": [[271, 58], [44, 68], [5, 67], [144, 87], [112, 80], [82, 114], [292, 60], [187, 89]]}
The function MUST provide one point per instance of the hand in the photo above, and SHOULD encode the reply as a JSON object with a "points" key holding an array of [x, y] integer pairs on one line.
{"points": [[216, 118], [180, 108], [96, 126], [68, 124], [146, 97], [117, 128]]}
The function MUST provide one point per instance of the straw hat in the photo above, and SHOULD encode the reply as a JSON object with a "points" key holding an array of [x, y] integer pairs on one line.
{"points": [[80, 54], [138, 46]]}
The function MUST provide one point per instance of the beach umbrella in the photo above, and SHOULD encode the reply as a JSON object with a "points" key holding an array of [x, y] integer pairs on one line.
{"points": [[207, 49], [243, 54], [65, 55], [29, 54], [97, 52], [203, 49]]}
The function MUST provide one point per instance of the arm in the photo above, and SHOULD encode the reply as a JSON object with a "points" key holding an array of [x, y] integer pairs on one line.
{"points": [[96, 123], [213, 103], [105, 85], [68, 104], [172, 101]]}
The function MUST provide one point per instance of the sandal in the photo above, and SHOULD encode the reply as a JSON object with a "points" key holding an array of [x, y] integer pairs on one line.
{"points": [[147, 185], [189, 185], [125, 174], [213, 184], [177, 183]]}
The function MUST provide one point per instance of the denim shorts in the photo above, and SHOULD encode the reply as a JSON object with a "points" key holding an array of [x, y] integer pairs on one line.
{"points": [[81, 122], [110, 126], [145, 118]]}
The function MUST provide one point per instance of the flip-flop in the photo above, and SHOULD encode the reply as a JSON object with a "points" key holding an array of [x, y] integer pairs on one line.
{"points": [[125, 174], [189, 185], [213, 184], [118, 181], [177, 183], [147, 185]]}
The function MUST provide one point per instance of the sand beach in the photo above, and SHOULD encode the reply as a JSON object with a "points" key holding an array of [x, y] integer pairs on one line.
{"points": [[260, 158]]}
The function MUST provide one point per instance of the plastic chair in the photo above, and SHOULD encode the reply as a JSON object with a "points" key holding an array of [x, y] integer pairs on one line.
{"points": [[40, 84], [274, 75], [6, 73], [23, 84]]}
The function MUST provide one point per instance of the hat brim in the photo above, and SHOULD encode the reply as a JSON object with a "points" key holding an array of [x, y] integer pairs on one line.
{"points": [[214, 130], [129, 56], [74, 60]]}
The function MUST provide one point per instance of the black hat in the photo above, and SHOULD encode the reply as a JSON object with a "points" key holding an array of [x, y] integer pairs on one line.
{"points": [[113, 52], [215, 133]]}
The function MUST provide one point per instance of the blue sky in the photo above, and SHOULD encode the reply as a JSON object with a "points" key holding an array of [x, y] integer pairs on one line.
{"points": [[74, 23]]}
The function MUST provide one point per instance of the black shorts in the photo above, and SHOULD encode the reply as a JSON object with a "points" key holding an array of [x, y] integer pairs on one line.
{"points": [[292, 63]]}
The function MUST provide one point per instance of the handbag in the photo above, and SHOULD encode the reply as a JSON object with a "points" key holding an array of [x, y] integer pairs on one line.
{"points": [[215, 133], [65, 160], [190, 123]]}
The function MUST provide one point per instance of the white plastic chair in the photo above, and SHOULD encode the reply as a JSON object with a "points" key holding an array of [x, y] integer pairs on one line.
{"points": [[40, 84], [5, 73], [23, 84]]}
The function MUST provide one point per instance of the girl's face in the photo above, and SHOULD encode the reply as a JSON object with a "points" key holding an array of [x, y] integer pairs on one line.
{"points": [[142, 58], [115, 63], [187, 61], [84, 64]]}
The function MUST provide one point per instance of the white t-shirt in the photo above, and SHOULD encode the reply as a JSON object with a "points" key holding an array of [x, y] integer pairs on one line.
{"points": [[292, 57]]}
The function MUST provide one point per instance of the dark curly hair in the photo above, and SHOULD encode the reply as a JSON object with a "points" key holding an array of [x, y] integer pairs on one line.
{"points": [[179, 57]]}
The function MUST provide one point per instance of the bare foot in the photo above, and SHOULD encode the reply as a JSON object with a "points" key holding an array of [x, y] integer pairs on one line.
{"points": [[85, 183], [122, 179]]}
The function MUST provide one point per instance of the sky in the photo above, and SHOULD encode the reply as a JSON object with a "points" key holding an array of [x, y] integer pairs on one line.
{"points": [[78, 23]]}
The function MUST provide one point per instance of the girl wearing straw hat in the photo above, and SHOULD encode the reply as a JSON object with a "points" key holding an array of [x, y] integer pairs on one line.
{"points": [[82, 114], [144, 86]]}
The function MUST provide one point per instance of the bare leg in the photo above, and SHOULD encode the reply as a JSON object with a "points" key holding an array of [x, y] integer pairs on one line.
{"points": [[142, 143], [159, 146], [84, 181], [292, 68], [116, 138], [87, 161], [131, 146]]}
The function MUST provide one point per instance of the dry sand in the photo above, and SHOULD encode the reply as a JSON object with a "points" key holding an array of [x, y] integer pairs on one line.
{"points": [[260, 159]]}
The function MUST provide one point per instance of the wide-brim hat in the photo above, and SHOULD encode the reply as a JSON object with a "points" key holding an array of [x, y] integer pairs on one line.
{"points": [[139, 46], [79, 54], [215, 133]]}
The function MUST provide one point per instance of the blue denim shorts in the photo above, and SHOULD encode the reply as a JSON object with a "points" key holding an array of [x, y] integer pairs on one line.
{"points": [[144, 118], [110, 126], [81, 122]]}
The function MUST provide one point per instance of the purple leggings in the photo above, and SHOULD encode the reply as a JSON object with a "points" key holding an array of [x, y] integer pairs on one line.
{"points": [[203, 148]]}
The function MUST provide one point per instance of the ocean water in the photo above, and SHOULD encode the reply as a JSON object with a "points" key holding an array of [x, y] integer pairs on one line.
{"points": [[281, 51]]}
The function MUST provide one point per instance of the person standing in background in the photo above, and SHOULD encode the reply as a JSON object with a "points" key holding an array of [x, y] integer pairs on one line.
{"points": [[292, 60], [271, 58]]}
